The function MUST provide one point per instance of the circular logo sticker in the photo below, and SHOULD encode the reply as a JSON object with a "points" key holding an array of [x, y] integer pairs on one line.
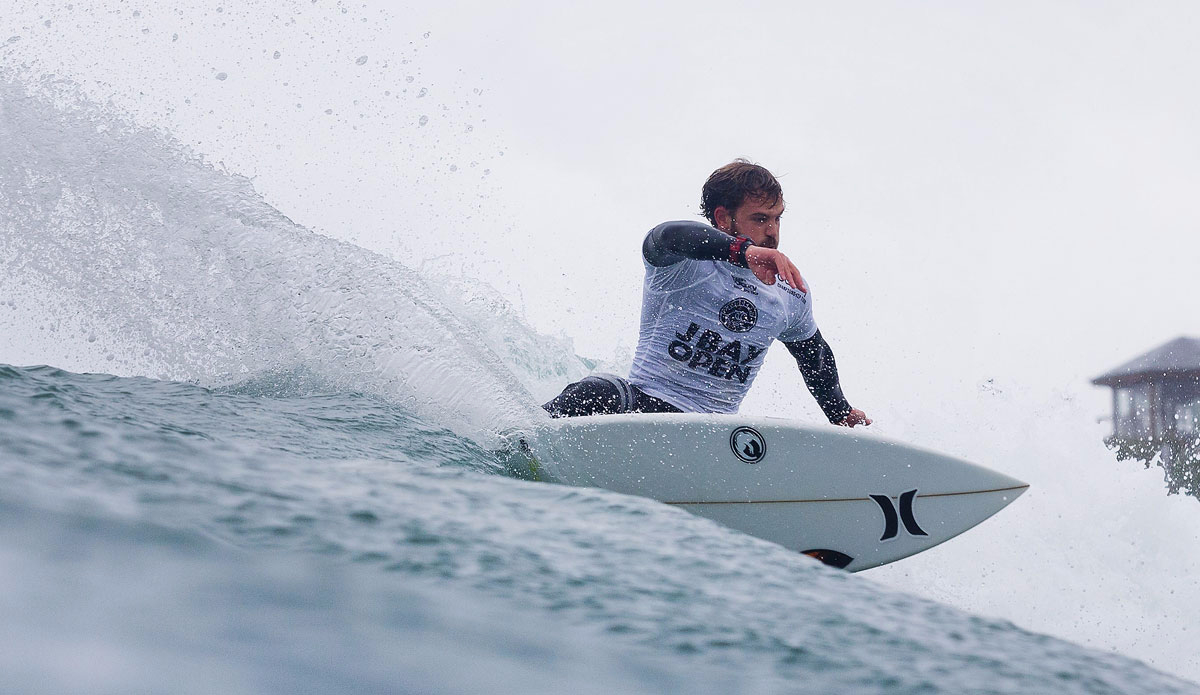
{"points": [[739, 315], [748, 445]]}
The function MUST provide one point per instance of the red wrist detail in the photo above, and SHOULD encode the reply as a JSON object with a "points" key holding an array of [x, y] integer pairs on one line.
{"points": [[737, 250]]}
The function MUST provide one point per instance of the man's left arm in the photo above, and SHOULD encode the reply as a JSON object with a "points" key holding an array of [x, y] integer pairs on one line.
{"points": [[815, 359]]}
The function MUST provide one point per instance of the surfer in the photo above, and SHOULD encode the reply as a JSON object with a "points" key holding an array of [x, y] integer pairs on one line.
{"points": [[713, 300]]}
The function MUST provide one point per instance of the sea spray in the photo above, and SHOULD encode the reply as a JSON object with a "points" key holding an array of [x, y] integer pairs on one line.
{"points": [[182, 271]]}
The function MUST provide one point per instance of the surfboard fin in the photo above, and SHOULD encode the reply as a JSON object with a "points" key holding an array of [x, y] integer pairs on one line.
{"points": [[832, 558], [518, 459]]}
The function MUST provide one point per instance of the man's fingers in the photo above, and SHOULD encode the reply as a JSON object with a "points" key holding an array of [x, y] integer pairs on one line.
{"points": [[856, 417], [789, 272], [803, 286], [781, 267], [796, 280], [769, 263]]}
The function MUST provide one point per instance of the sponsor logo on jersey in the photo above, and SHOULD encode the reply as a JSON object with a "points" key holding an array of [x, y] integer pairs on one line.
{"points": [[707, 351], [794, 292], [744, 286], [739, 315]]}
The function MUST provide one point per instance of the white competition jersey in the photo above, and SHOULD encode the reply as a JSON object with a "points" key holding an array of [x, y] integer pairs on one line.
{"points": [[706, 326]]}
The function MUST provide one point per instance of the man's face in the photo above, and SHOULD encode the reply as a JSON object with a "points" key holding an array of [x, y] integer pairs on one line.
{"points": [[755, 218]]}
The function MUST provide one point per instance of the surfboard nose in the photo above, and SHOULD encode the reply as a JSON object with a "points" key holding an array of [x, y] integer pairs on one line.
{"points": [[991, 480]]}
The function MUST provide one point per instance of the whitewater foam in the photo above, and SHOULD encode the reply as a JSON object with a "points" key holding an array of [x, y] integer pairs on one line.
{"points": [[120, 241]]}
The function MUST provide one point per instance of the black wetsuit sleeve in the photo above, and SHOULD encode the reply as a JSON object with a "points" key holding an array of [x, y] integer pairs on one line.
{"points": [[815, 359], [671, 242]]}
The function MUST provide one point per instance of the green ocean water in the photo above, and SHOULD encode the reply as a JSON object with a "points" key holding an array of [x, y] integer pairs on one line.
{"points": [[334, 541]]}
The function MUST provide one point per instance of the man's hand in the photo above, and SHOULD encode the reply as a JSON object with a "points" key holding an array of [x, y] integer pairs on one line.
{"points": [[856, 417], [767, 263]]}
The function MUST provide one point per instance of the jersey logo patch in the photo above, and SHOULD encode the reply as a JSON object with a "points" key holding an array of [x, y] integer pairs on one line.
{"points": [[739, 315]]}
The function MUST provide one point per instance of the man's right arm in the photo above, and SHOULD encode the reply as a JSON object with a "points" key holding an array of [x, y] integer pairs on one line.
{"points": [[672, 242]]}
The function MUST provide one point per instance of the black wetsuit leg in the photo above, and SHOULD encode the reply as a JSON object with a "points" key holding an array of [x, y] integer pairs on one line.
{"points": [[605, 394], [645, 403]]}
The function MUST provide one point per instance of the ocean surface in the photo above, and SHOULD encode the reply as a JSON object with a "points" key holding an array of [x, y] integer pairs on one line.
{"points": [[261, 460], [160, 536]]}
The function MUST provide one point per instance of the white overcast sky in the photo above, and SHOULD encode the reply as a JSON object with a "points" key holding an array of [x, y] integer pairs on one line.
{"points": [[999, 189], [964, 179]]}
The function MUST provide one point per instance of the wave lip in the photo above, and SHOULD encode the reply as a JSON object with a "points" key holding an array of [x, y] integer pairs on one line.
{"points": [[127, 253]]}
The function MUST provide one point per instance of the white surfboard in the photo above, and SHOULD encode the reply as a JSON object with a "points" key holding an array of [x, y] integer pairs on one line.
{"points": [[852, 500]]}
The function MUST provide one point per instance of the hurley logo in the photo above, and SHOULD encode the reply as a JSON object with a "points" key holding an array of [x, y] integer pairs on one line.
{"points": [[890, 520]]}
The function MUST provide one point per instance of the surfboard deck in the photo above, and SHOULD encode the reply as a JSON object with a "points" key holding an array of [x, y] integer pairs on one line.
{"points": [[853, 500]]}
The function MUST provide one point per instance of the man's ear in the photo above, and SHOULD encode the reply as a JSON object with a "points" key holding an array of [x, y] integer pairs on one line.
{"points": [[723, 219]]}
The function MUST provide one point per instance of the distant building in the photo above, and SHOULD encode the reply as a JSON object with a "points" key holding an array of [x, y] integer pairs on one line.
{"points": [[1157, 394]]}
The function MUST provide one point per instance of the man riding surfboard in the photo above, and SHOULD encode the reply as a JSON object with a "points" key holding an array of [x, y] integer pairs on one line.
{"points": [[713, 300]]}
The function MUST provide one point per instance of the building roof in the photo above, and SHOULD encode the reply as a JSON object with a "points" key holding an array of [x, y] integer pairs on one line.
{"points": [[1178, 358]]}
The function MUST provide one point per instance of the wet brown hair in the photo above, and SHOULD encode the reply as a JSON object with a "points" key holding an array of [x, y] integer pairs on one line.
{"points": [[732, 184]]}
